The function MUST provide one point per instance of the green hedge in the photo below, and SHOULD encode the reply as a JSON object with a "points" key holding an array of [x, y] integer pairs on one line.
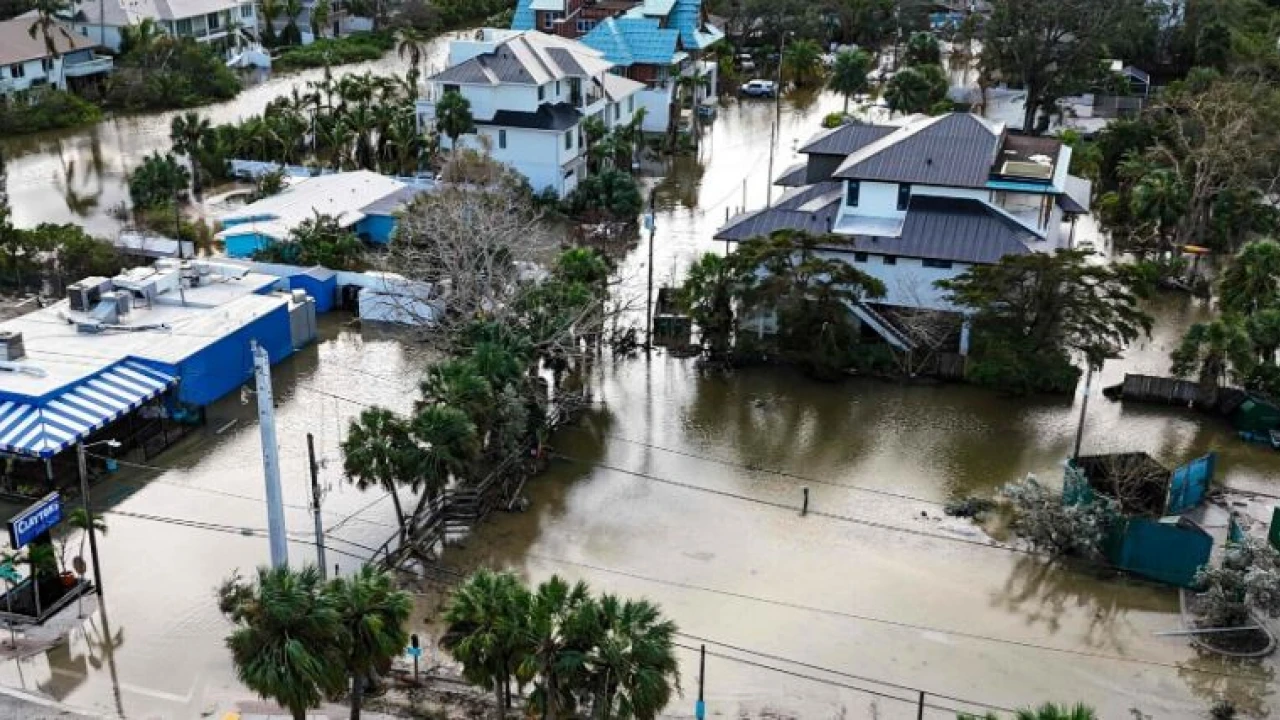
{"points": [[46, 110], [357, 47]]}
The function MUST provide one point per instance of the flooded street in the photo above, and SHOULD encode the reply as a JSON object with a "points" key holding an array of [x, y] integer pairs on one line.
{"points": [[679, 486]]}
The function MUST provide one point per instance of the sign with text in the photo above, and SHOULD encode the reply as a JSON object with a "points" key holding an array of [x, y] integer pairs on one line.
{"points": [[35, 520]]}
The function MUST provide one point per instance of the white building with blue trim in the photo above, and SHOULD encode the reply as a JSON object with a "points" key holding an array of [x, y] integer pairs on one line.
{"points": [[149, 348]]}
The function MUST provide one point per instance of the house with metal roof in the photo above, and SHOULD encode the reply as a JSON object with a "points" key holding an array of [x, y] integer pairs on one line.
{"points": [[529, 94], [363, 201], [924, 201], [26, 62], [650, 41]]}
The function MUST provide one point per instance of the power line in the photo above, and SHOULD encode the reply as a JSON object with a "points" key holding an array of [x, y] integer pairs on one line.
{"points": [[882, 621], [228, 529]]}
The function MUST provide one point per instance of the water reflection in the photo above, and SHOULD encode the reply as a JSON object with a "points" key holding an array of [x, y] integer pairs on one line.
{"points": [[1247, 684]]}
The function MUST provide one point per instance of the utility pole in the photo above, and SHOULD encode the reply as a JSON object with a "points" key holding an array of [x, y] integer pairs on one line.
{"points": [[1084, 407], [83, 462], [270, 457], [700, 710], [315, 504], [768, 190], [652, 219]]}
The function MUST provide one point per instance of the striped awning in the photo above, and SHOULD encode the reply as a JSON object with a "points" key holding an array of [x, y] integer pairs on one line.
{"points": [[46, 429]]}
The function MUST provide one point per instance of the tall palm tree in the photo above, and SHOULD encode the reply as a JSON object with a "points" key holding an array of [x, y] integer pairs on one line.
{"points": [[557, 642], [1209, 350], [270, 11], [380, 451], [189, 132], [320, 15], [139, 37], [457, 383], [372, 614], [47, 25], [453, 117], [484, 625], [449, 445], [291, 34], [409, 42], [802, 61], [288, 638], [849, 76], [1252, 282], [633, 668]]}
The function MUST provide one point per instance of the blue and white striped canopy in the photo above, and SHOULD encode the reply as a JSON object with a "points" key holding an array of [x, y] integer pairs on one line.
{"points": [[46, 429]]}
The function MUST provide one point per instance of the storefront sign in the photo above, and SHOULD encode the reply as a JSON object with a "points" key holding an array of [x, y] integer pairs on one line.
{"points": [[35, 520]]}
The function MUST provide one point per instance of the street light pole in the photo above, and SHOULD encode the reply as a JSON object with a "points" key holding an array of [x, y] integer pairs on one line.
{"points": [[88, 514], [1084, 407]]}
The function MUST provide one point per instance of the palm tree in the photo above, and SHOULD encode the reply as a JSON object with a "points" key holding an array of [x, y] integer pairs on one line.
{"points": [[593, 130], [372, 614], [47, 25], [849, 76], [453, 117], [916, 89], [380, 451], [633, 668], [189, 132], [291, 34], [139, 37], [81, 520], [287, 645], [557, 641], [1252, 282], [1209, 350], [802, 60], [409, 42], [1160, 199], [270, 11], [457, 383], [320, 15], [922, 49], [449, 445], [1050, 711], [484, 621], [708, 293]]}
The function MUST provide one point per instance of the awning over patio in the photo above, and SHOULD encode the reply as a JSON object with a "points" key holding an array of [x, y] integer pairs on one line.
{"points": [[46, 429]]}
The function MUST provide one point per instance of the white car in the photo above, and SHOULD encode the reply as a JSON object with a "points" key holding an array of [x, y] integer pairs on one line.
{"points": [[759, 88]]}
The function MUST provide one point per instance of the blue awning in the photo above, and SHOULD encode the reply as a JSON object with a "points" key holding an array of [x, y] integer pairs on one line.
{"points": [[46, 429]]}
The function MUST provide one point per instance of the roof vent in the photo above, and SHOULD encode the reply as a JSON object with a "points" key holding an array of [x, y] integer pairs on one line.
{"points": [[928, 161], [11, 347]]}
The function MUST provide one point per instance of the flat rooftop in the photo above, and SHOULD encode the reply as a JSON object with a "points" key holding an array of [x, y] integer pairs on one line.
{"points": [[173, 327]]}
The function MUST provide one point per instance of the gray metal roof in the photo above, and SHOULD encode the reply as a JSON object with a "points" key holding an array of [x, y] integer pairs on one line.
{"points": [[846, 139], [530, 58], [794, 176], [936, 228], [954, 150], [389, 204], [560, 116]]}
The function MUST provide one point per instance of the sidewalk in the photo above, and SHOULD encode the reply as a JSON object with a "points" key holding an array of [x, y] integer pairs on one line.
{"points": [[29, 706]]}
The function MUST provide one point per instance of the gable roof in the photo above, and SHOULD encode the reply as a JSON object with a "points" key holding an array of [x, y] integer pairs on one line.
{"points": [[955, 150], [17, 45], [846, 139], [936, 228], [694, 34], [530, 58], [118, 13], [617, 87], [630, 40]]}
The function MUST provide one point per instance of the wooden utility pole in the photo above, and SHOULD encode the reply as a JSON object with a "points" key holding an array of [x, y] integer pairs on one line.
{"points": [[315, 503]]}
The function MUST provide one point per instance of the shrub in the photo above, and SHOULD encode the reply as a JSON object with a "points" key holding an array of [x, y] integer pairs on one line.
{"points": [[611, 195], [160, 180], [834, 120], [1247, 579], [46, 110], [1042, 519], [166, 73], [357, 47]]}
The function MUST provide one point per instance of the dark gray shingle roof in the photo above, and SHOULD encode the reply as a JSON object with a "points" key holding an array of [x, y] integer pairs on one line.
{"points": [[955, 150], [560, 116], [846, 139], [936, 228]]}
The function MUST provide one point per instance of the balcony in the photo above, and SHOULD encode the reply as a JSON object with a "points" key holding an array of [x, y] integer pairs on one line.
{"points": [[89, 67]]}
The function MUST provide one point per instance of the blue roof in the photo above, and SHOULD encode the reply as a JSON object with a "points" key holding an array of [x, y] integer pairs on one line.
{"points": [[633, 40], [46, 429], [524, 18], [687, 18]]}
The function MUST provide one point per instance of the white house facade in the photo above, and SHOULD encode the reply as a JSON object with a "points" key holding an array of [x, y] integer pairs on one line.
{"points": [[529, 94], [224, 23], [27, 64], [923, 202]]}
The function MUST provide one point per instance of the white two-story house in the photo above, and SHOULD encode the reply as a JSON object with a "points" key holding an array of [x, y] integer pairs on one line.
{"points": [[529, 94], [26, 63], [923, 202], [225, 24]]}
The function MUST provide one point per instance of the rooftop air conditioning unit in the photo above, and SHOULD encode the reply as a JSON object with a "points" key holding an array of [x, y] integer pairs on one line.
{"points": [[11, 347], [83, 297]]}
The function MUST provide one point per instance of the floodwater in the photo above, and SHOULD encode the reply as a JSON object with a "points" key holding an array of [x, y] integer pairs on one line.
{"points": [[685, 488]]}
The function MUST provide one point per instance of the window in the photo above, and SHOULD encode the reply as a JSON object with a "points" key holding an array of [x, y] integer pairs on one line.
{"points": [[84, 30], [939, 264], [548, 20], [557, 88], [246, 11], [46, 64], [859, 257], [617, 111], [631, 104], [184, 27], [586, 25], [542, 93], [452, 88], [890, 259], [502, 139], [213, 20], [17, 70], [568, 140], [904, 196], [851, 191]]}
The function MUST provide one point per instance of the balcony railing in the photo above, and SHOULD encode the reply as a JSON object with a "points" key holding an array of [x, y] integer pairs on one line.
{"points": [[88, 67]]}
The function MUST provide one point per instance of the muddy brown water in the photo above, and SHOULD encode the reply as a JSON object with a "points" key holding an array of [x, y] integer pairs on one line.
{"points": [[679, 486]]}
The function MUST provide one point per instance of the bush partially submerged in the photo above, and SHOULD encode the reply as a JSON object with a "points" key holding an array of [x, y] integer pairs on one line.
{"points": [[1042, 519], [1247, 579]]}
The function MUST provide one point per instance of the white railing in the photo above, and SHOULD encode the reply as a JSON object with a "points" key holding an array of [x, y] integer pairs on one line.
{"points": [[89, 67]]}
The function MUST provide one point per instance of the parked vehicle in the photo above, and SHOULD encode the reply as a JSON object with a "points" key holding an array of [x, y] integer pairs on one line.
{"points": [[759, 88], [745, 62]]}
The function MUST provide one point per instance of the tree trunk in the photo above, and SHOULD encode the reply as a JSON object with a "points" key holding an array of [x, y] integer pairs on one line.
{"points": [[498, 695], [846, 104], [395, 500], [1207, 393], [196, 188], [357, 694]]}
